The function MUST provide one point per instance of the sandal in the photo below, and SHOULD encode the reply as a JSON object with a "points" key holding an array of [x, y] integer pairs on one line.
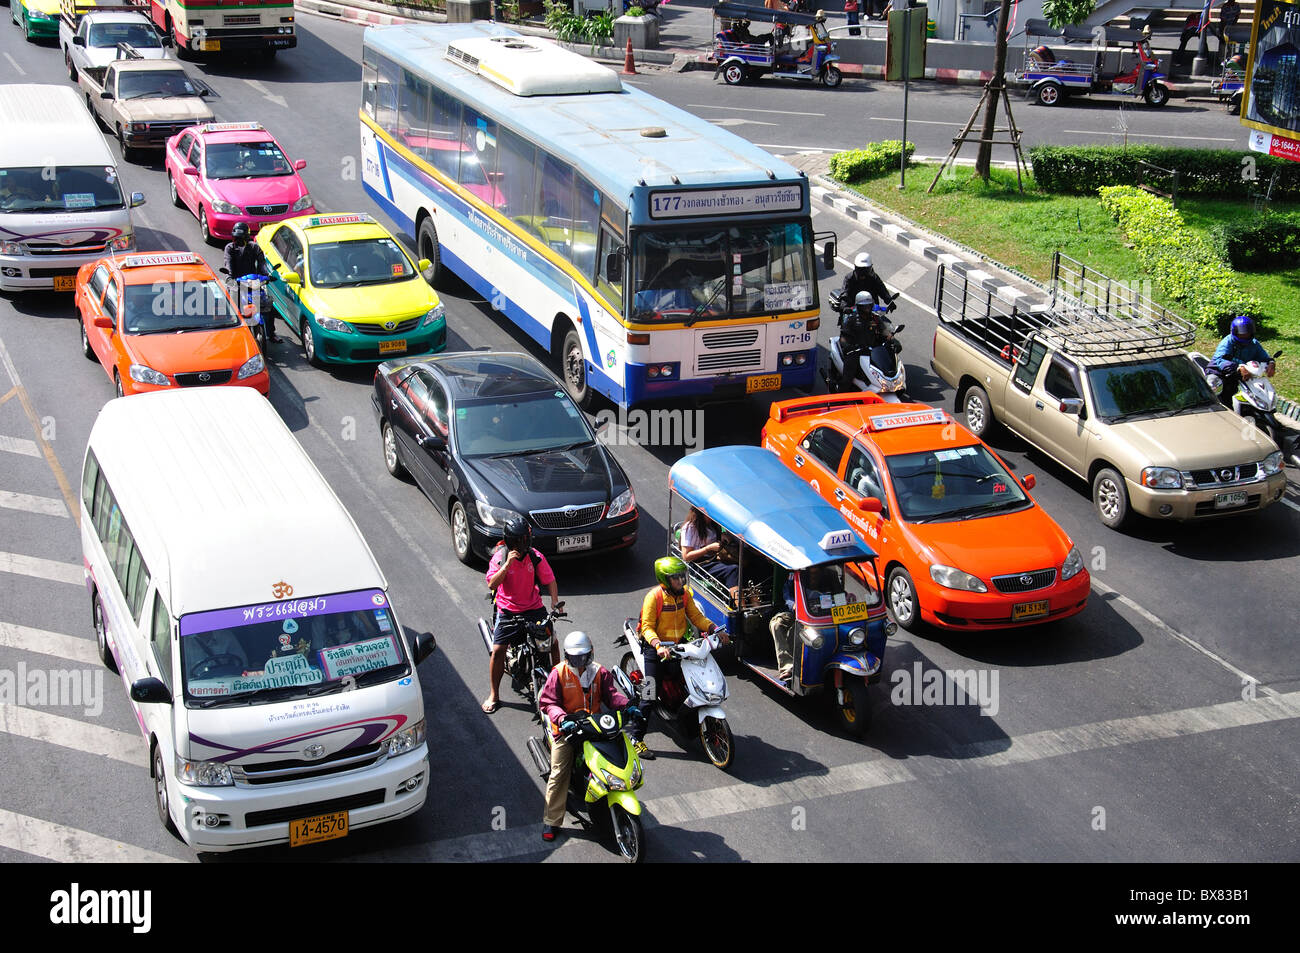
{"points": [[490, 706]]}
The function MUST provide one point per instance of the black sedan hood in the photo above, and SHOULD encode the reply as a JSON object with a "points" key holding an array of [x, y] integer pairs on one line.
{"points": [[548, 478]]}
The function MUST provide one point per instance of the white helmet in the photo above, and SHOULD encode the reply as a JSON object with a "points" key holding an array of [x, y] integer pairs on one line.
{"points": [[862, 261], [864, 299], [577, 650]]}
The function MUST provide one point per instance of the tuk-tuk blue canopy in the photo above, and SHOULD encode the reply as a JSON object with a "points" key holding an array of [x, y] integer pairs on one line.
{"points": [[741, 11], [749, 492]]}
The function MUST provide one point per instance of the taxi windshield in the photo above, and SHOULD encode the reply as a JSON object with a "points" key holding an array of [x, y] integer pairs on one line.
{"points": [[173, 306], [108, 35], [365, 261], [529, 423], [831, 589], [955, 483], [244, 160], [148, 84], [59, 189], [285, 650]]}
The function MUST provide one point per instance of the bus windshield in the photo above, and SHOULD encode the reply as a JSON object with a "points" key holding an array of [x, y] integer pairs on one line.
{"points": [[721, 271]]}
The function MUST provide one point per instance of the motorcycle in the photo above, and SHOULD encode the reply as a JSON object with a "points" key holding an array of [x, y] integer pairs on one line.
{"points": [[254, 304], [880, 370], [1256, 398], [605, 774], [701, 689], [528, 660]]}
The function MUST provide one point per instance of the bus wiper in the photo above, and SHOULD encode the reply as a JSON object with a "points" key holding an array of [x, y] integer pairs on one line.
{"points": [[699, 310]]}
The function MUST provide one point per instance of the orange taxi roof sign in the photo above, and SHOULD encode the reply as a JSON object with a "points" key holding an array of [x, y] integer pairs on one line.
{"points": [[916, 418]]}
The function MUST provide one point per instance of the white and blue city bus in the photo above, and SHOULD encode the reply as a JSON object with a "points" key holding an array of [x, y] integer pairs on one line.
{"points": [[651, 253]]}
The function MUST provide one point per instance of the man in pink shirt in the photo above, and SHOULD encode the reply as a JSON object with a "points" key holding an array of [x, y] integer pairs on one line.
{"points": [[514, 573]]}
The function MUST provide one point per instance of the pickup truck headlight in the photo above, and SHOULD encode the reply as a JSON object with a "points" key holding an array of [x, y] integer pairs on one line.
{"points": [[494, 515], [204, 774], [623, 504], [433, 315], [251, 366], [1162, 478], [1073, 563], [408, 739], [225, 208], [143, 374], [951, 578], [334, 324], [1272, 464], [302, 204]]}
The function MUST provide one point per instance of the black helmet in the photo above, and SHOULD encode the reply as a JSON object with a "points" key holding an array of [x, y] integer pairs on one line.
{"points": [[517, 533], [240, 231]]}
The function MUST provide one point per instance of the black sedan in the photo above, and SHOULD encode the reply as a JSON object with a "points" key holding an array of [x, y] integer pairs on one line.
{"points": [[488, 436]]}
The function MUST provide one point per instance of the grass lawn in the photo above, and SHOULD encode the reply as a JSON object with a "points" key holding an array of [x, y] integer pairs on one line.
{"points": [[1023, 231]]}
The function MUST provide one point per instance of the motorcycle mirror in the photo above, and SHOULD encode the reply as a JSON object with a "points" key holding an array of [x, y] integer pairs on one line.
{"points": [[224, 270], [1277, 353], [899, 327], [1029, 482]]}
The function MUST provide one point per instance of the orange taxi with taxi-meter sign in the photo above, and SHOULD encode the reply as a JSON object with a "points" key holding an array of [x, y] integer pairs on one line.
{"points": [[962, 544], [162, 320]]}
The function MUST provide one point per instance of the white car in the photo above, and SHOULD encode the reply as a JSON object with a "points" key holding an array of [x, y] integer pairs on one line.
{"points": [[94, 38]]}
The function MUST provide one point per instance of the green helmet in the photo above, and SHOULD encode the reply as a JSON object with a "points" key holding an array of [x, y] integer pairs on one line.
{"points": [[669, 566]]}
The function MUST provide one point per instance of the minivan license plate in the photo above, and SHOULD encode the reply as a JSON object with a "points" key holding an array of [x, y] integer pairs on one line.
{"points": [[310, 830], [1226, 501], [568, 544]]}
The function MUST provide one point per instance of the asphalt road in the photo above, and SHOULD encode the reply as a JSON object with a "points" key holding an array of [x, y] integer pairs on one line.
{"points": [[1131, 713]]}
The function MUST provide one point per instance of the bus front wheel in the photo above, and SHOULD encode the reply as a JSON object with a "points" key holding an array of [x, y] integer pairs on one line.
{"points": [[573, 369], [427, 246]]}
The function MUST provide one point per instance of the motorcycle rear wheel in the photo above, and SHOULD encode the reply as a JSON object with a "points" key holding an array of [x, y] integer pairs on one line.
{"points": [[629, 834], [719, 743]]}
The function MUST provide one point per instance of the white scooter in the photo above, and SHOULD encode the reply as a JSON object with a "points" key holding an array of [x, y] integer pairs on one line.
{"points": [[1257, 399], [702, 690], [880, 371]]}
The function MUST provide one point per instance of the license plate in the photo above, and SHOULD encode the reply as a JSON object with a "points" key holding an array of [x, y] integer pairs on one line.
{"points": [[311, 830], [849, 613], [567, 544], [761, 382], [212, 46], [392, 347], [1226, 501], [65, 282], [1029, 610]]}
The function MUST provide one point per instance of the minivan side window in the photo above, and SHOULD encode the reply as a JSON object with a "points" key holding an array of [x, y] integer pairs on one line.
{"points": [[160, 636], [124, 558], [88, 478]]}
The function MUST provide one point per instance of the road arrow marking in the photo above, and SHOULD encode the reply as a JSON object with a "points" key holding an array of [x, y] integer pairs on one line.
{"points": [[260, 88]]}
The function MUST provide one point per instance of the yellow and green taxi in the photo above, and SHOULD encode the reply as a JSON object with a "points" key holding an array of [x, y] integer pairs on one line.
{"points": [[38, 18], [350, 290]]}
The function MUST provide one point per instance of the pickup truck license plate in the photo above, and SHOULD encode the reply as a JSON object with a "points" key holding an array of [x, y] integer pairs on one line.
{"points": [[1226, 501], [1029, 610], [310, 830], [568, 544], [761, 382], [65, 282], [392, 347]]}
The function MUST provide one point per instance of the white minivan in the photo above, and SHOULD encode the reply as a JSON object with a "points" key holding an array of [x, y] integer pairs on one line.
{"points": [[61, 201], [250, 623]]}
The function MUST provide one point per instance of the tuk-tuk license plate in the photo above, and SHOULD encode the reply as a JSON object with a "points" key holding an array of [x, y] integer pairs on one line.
{"points": [[849, 613], [1226, 501], [65, 282], [761, 382], [310, 830], [569, 544], [1029, 610], [392, 347]]}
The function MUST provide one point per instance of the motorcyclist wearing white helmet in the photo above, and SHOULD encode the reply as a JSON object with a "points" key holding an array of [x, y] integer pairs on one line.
{"points": [[578, 683], [863, 277], [863, 329]]}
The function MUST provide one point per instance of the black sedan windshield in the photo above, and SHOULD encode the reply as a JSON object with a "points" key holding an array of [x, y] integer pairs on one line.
{"points": [[528, 423]]}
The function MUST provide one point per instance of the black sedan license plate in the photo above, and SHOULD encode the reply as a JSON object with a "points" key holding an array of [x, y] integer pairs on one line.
{"points": [[310, 830], [1226, 501], [569, 544]]}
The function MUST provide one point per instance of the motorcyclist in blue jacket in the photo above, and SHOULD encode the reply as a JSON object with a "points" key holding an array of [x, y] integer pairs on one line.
{"points": [[1236, 350]]}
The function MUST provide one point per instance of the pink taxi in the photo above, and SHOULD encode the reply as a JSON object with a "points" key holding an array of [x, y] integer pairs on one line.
{"points": [[228, 172]]}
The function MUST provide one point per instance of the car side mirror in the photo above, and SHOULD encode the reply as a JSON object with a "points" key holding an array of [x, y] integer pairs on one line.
{"points": [[137, 199], [106, 94], [423, 265], [292, 279], [1071, 405], [601, 423], [150, 691], [613, 267], [870, 504], [190, 170], [828, 255], [103, 321], [434, 442], [299, 164], [1029, 482], [78, 41], [422, 646]]}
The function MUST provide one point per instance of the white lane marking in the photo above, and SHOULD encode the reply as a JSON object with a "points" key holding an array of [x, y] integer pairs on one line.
{"points": [[734, 799], [66, 647], [14, 63], [909, 275], [68, 845], [1295, 506], [21, 445], [39, 725], [777, 145], [1155, 620], [910, 120], [1144, 135], [51, 569], [43, 505], [902, 294], [738, 121], [737, 109], [258, 87], [47, 451]]}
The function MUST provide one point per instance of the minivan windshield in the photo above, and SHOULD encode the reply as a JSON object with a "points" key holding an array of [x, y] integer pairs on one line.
{"points": [[278, 651], [59, 189]]}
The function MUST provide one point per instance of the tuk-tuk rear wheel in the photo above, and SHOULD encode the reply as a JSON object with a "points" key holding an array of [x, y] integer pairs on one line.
{"points": [[855, 711], [733, 74], [1157, 94]]}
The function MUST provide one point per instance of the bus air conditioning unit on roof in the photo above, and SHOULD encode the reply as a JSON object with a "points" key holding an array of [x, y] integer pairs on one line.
{"points": [[529, 67]]}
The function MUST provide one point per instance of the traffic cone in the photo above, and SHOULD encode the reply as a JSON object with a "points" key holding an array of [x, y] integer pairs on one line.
{"points": [[629, 64]]}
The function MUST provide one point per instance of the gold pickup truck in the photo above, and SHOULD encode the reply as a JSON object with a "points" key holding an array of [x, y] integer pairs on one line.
{"points": [[143, 102], [1102, 384]]}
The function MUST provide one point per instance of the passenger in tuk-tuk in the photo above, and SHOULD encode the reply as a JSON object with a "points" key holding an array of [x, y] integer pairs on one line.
{"points": [[702, 545]]}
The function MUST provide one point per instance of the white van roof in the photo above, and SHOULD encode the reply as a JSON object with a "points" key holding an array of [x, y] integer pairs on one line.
{"points": [[223, 501], [48, 125]]}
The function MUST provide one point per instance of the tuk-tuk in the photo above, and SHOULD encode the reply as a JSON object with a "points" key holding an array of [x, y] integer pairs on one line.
{"points": [[1052, 75], [804, 577], [1231, 83], [798, 47]]}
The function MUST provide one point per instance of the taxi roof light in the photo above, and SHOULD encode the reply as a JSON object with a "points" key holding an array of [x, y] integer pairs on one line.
{"points": [[347, 218], [910, 419], [232, 127], [145, 261]]}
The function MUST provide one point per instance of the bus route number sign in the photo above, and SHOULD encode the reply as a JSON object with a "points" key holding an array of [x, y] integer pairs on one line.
{"points": [[745, 201]]}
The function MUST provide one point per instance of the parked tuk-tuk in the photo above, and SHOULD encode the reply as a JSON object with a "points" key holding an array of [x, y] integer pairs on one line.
{"points": [[798, 47], [1231, 82], [1106, 68], [804, 577]]}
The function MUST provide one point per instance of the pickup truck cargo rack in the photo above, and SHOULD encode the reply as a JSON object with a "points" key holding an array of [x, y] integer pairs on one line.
{"points": [[125, 51], [73, 11], [1086, 314]]}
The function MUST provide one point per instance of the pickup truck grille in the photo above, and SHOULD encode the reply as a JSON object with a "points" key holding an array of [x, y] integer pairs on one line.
{"points": [[1025, 581], [1223, 476]]}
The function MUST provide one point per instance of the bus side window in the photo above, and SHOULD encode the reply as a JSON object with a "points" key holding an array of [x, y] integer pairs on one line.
{"points": [[413, 114], [518, 159], [478, 160], [386, 96], [611, 286], [586, 201], [557, 203], [444, 133], [88, 478], [369, 80]]}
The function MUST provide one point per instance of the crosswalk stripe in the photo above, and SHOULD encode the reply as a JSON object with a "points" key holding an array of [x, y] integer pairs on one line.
{"points": [[21, 445], [37, 725], [68, 845], [42, 505], [51, 569], [66, 647]]}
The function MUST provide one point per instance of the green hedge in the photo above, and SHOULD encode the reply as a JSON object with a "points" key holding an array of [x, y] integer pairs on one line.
{"points": [[1079, 170], [875, 159], [1183, 264], [1261, 244]]}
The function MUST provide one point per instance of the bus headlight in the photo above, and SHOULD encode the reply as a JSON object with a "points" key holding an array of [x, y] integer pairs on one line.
{"points": [[204, 774]]}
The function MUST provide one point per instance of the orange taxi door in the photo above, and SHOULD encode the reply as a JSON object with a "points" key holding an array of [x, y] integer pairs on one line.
{"points": [[818, 457], [859, 479], [98, 337]]}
